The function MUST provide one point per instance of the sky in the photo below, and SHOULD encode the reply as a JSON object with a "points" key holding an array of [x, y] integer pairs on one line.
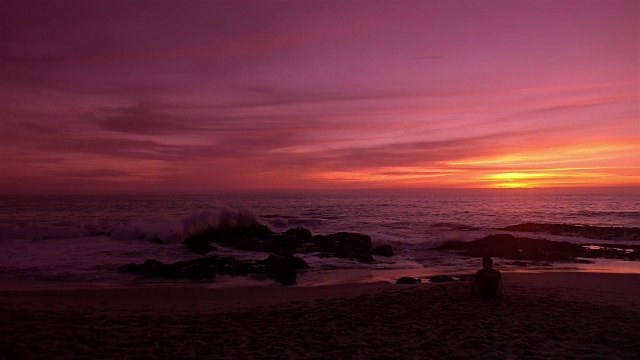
{"points": [[147, 96]]}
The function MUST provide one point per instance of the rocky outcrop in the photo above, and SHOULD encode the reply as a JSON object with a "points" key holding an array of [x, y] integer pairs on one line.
{"points": [[586, 231], [282, 268], [296, 240], [408, 280], [519, 248], [198, 245], [383, 250], [442, 278], [278, 263], [344, 244], [249, 238], [300, 235]]}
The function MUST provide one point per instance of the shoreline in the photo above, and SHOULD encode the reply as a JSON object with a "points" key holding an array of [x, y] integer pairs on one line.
{"points": [[542, 315], [162, 295]]}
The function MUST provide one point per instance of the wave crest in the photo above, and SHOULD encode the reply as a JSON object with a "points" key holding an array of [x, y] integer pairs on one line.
{"points": [[225, 218]]}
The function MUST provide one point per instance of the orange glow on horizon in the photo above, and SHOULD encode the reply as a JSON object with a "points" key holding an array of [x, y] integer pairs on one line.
{"points": [[302, 95], [582, 164]]}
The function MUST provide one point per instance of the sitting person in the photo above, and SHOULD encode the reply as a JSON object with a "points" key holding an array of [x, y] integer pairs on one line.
{"points": [[487, 283]]}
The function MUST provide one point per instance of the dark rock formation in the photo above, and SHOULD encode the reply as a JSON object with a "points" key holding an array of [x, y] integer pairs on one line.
{"points": [[442, 278], [511, 247], [587, 231], [518, 263], [408, 280], [197, 269], [249, 238], [366, 258], [344, 244], [383, 250], [277, 263], [283, 244], [157, 240], [285, 277], [455, 226], [198, 245], [261, 238], [206, 268], [517, 248], [300, 235]]}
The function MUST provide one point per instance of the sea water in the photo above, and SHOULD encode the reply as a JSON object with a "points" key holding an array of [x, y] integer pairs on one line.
{"points": [[82, 239]]}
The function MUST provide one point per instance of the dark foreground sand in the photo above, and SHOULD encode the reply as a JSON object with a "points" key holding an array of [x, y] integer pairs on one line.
{"points": [[543, 316]]}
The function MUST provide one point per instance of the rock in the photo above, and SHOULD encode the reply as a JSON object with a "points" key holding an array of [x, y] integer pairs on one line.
{"points": [[285, 277], [511, 247], [442, 278], [519, 248], [129, 269], [343, 244], [155, 268], [408, 280], [584, 261], [383, 250], [282, 244], [194, 271], [277, 263], [198, 245], [299, 234], [248, 238], [197, 269], [157, 240], [251, 238], [365, 258], [254, 244], [518, 263], [587, 231], [206, 268]]}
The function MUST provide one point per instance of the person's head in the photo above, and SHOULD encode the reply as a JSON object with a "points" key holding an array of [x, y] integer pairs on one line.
{"points": [[487, 262]]}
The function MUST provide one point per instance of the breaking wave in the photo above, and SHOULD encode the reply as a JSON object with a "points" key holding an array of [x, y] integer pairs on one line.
{"points": [[224, 218]]}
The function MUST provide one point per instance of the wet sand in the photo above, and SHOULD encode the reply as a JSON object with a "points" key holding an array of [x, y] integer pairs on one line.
{"points": [[542, 316]]}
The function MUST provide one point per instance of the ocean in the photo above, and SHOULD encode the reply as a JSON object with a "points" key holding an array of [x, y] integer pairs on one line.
{"points": [[80, 240]]}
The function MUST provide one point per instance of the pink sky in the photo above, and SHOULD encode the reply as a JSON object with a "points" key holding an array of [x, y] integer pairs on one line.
{"points": [[203, 96]]}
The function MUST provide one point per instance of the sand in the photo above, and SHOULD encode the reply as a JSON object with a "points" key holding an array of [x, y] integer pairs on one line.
{"points": [[542, 316]]}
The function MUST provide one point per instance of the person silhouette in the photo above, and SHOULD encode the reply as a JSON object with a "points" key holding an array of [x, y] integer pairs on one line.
{"points": [[487, 283]]}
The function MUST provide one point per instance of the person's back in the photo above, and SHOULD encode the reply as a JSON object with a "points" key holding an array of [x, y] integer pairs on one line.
{"points": [[487, 281]]}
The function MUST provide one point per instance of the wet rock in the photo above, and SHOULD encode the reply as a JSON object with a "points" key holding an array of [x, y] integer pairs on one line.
{"points": [[515, 248], [206, 268], [299, 234], [584, 261], [285, 277], [248, 238], [383, 250], [408, 280], [251, 238], [455, 226], [261, 239], [587, 231], [442, 278], [198, 245], [129, 269], [277, 263], [344, 244], [518, 263], [519, 248], [283, 244], [365, 259]]}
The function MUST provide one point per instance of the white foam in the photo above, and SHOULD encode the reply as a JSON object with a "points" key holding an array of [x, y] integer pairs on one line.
{"points": [[223, 218]]}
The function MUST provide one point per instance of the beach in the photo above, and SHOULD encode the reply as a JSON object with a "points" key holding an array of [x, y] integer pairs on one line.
{"points": [[570, 315]]}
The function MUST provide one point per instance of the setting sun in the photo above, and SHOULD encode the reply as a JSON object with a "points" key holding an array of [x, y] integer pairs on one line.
{"points": [[373, 95]]}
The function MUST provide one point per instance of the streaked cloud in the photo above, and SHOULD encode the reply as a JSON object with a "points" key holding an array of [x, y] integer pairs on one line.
{"points": [[224, 96]]}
